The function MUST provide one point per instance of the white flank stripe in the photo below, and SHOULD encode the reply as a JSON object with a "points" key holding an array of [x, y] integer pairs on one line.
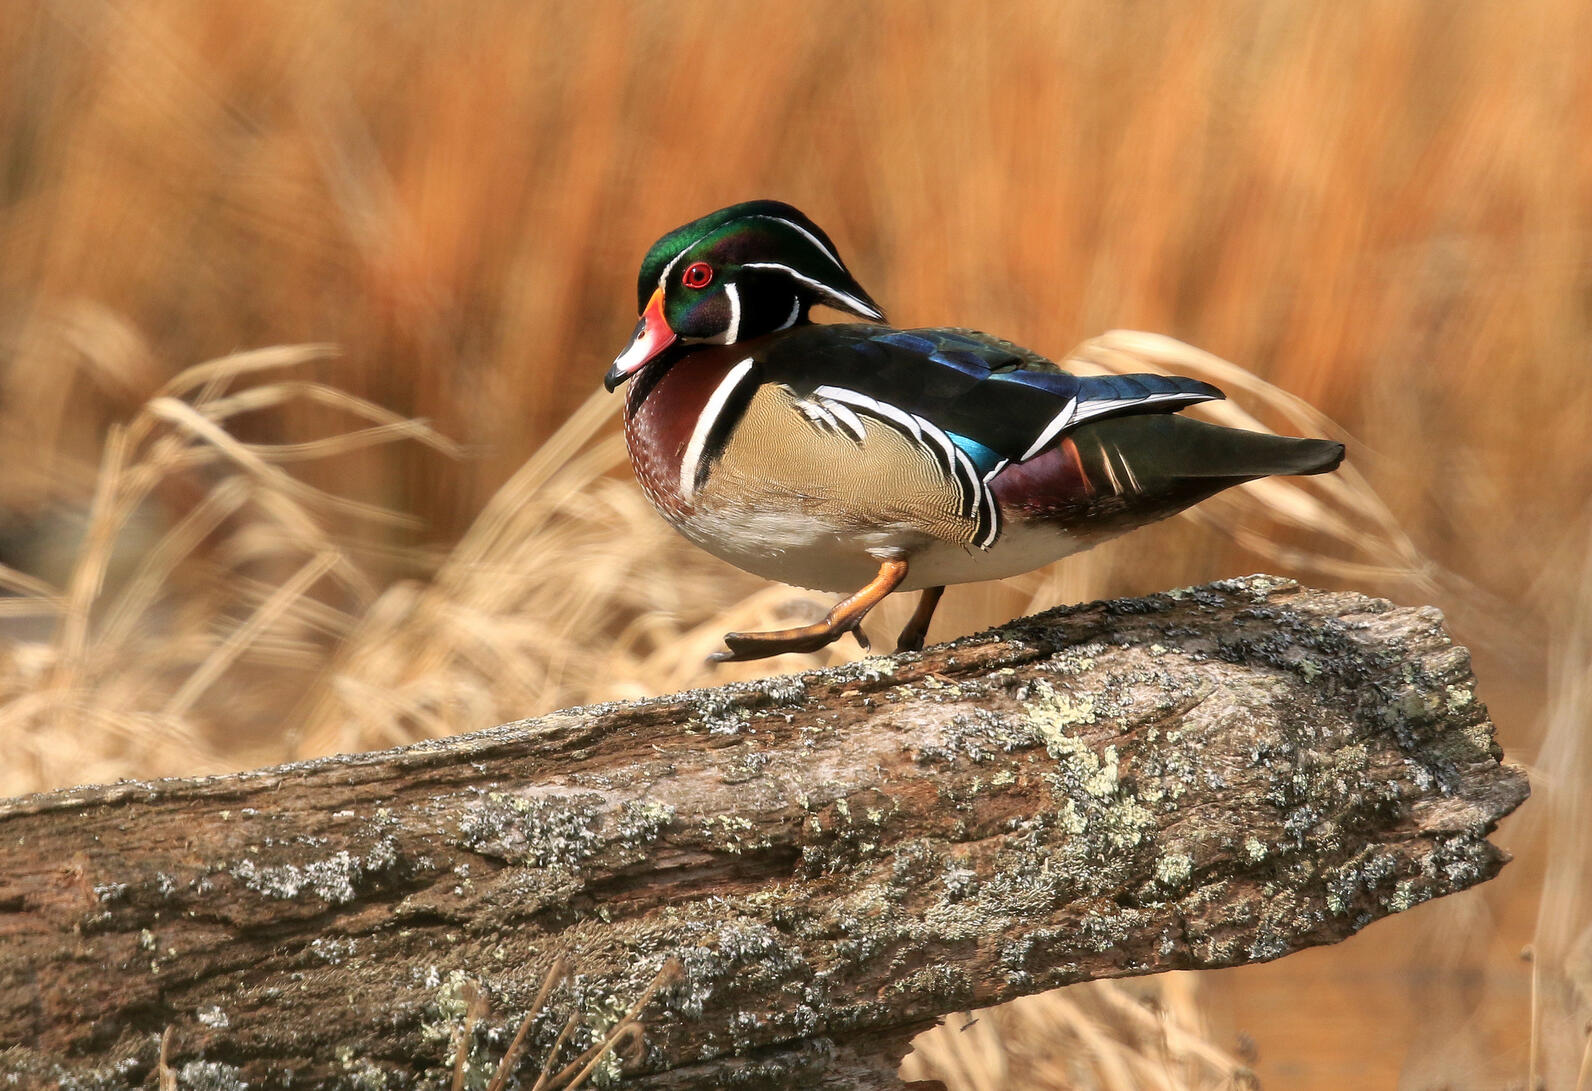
{"points": [[820, 413], [1053, 429], [906, 421], [994, 521], [846, 299], [965, 464], [972, 485], [848, 420], [704, 426], [834, 257], [943, 441], [962, 471]]}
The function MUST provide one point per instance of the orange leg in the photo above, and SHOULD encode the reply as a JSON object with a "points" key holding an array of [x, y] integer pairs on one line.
{"points": [[911, 639], [844, 618]]}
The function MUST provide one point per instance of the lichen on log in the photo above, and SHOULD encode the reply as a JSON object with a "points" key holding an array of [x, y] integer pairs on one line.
{"points": [[1202, 778]]}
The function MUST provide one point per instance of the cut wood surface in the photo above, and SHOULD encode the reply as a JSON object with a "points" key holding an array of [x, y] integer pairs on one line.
{"points": [[1203, 778]]}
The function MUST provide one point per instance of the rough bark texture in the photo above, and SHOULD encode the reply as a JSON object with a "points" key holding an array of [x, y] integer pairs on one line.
{"points": [[1202, 778]]}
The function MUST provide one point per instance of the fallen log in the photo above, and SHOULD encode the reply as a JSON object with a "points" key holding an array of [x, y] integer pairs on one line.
{"points": [[808, 869]]}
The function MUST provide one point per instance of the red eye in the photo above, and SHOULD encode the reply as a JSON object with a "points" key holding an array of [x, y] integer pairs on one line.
{"points": [[699, 274]]}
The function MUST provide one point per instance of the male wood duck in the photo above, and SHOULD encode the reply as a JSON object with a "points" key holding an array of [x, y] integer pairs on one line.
{"points": [[865, 459]]}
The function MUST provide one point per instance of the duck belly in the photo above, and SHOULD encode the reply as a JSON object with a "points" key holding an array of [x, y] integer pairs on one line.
{"points": [[808, 551], [1021, 548]]}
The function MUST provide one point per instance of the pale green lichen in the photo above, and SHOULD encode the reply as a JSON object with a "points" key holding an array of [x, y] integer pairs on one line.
{"points": [[452, 999], [1174, 869], [641, 820], [210, 1076], [1072, 819], [333, 880], [367, 1077], [981, 736], [1081, 768], [544, 830], [1050, 710], [1126, 822]]}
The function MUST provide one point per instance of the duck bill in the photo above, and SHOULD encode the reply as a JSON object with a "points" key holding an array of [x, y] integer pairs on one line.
{"points": [[652, 336]]}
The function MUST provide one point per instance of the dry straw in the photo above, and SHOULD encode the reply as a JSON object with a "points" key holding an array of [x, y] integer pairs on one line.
{"points": [[249, 582]]}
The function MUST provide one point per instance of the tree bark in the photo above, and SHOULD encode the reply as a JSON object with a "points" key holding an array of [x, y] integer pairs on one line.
{"points": [[1203, 778]]}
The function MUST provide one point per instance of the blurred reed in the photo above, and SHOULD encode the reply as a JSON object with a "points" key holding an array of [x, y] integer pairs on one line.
{"points": [[1102, 1036]]}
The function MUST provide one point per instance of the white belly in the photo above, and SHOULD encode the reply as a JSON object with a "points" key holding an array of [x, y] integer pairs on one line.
{"points": [[806, 552]]}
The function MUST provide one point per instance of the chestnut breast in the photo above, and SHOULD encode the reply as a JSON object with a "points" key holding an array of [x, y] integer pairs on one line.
{"points": [[660, 414]]}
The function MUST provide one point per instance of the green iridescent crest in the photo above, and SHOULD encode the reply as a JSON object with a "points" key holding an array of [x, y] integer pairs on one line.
{"points": [[745, 270]]}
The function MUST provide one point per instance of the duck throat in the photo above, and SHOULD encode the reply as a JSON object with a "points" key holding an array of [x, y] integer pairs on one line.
{"points": [[679, 411]]}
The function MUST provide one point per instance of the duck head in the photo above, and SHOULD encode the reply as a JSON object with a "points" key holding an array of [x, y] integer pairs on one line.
{"points": [[741, 272]]}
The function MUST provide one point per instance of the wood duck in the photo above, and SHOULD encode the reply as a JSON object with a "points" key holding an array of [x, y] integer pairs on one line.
{"points": [[865, 459]]}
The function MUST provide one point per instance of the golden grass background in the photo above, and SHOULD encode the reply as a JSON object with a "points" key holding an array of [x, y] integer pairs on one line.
{"points": [[1382, 207]]}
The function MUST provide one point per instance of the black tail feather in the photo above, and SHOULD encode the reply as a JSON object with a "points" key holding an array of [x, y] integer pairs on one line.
{"points": [[1170, 449]]}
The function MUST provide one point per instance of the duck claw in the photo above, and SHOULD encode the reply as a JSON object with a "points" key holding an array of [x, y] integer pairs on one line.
{"points": [[845, 618], [740, 647]]}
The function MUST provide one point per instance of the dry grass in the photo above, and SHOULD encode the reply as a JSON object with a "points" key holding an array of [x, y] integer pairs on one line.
{"points": [[250, 585], [1103, 1036], [1384, 209]]}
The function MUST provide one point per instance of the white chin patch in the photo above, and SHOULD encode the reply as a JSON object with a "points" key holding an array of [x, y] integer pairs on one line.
{"points": [[633, 357]]}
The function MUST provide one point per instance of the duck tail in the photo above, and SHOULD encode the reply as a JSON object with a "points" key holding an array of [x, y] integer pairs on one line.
{"points": [[1175, 450]]}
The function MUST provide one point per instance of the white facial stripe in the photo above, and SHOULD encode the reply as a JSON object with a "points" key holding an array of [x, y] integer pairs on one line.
{"points": [[732, 332], [846, 299], [834, 257], [1052, 430], [667, 269], [704, 426], [795, 313], [810, 237]]}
